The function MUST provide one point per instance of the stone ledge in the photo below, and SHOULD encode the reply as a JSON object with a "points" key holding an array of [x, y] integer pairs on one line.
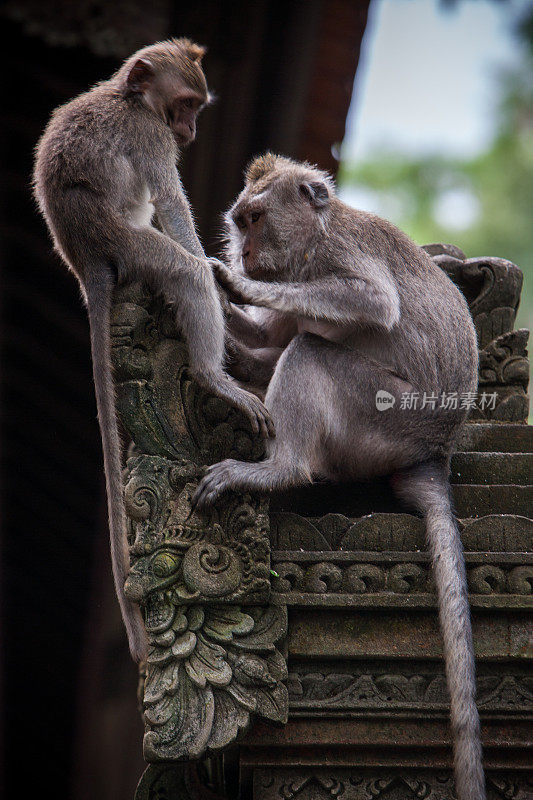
{"points": [[492, 468], [496, 437], [399, 633], [385, 532]]}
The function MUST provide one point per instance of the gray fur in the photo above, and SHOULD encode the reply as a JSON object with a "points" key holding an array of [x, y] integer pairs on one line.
{"points": [[355, 307], [105, 163]]}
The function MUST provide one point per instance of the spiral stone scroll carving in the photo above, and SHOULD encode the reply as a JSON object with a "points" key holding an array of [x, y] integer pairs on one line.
{"points": [[222, 556], [492, 288]]}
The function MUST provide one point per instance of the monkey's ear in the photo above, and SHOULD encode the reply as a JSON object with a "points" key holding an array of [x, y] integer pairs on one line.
{"points": [[316, 193], [196, 52], [140, 75]]}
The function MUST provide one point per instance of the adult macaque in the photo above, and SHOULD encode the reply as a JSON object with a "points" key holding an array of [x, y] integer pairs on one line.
{"points": [[360, 310], [105, 163]]}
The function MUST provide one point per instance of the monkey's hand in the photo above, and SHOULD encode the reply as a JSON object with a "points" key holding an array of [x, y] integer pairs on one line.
{"points": [[224, 302], [230, 281], [216, 264], [222, 294]]}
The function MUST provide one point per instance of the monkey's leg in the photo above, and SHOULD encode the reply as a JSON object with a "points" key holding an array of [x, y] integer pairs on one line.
{"points": [[188, 283], [251, 365], [322, 398], [245, 328], [290, 455]]}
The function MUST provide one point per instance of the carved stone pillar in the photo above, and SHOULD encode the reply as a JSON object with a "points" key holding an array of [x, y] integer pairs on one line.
{"points": [[202, 579]]}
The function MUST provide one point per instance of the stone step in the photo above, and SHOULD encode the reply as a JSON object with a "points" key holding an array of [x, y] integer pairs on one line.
{"points": [[474, 500], [497, 438], [358, 499], [492, 468], [491, 472]]}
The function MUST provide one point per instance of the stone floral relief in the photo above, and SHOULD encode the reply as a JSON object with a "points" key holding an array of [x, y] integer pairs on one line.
{"points": [[223, 555], [407, 577], [385, 532], [385, 784], [491, 286], [209, 669], [358, 688], [504, 360]]}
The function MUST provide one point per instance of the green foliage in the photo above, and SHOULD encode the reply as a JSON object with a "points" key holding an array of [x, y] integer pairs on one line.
{"points": [[500, 181]]}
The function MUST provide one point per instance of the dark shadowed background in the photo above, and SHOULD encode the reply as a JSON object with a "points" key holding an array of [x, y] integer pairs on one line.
{"points": [[283, 73]]}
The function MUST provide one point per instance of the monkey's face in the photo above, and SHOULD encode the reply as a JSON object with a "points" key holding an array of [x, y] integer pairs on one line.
{"points": [[178, 105], [169, 93], [182, 113], [249, 233], [272, 227]]}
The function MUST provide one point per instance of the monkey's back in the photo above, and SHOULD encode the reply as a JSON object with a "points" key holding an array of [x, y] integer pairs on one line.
{"points": [[434, 344], [86, 168]]}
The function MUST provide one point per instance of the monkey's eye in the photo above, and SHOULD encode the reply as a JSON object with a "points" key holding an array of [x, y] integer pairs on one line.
{"points": [[240, 222], [187, 102], [255, 216]]}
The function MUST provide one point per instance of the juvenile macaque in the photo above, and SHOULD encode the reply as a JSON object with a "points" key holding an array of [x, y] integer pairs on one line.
{"points": [[105, 163], [354, 313]]}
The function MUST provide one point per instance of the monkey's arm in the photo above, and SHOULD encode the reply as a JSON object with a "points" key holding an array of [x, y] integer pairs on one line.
{"points": [[173, 209], [251, 365], [244, 328], [268, 329], [369, 299]]}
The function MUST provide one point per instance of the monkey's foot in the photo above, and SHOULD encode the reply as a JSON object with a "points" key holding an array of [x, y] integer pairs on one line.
{"points": [[217, 480], [250, 405], [256, 412]]}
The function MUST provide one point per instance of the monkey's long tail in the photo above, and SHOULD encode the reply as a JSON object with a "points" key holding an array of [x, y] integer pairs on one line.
{"points": [[99, 293], [427, 488]]}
